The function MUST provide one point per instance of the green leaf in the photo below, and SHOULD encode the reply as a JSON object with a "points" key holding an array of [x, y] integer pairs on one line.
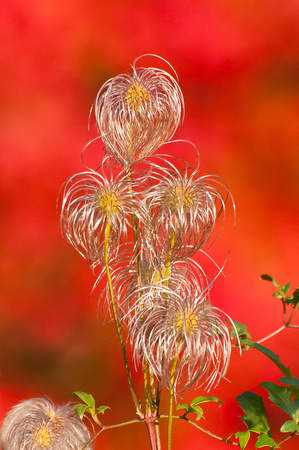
{"points": [[191, 409], [182, 406], [264, 440], [267, 277], [201, 399], [86, 398], [194, 408], [274, 358], [198, 410], [101, 409], [289, 427], [255, 416], [243, 437], [281, 397], [294, 385], [81, 409], [241, 330], [294, 299], [285, 289]]}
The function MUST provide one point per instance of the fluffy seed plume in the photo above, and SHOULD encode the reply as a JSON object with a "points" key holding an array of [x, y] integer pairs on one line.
{"points": [[136, 113], [97, 208], [183, 208], [38, 424], [180, 326]]}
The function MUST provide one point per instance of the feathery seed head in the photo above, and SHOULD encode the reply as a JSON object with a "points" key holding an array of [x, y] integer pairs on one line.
{"points": [[184, 208], [90, 203], [137, 113], [180, 323], [37, 424]]}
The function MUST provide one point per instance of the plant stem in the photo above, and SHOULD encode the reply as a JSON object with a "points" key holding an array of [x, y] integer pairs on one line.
{"points": [[156, 398], [150, 423], [202, 429], [170, 407], [289, 436], [272, 334], [109, 427], [146, 388], [118, 326]]}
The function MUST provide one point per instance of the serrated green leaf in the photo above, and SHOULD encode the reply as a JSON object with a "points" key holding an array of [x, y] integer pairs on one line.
{"points": [[81, 409], [289, 427], [281, 397], [241, 329], [274, 358], [255, 416], [86, 398], [294, 385], [202, 399], [264, 440], [243, 437]]}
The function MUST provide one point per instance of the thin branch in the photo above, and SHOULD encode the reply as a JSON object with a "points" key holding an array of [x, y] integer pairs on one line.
{"points": [[109, 427], [118, 326], [272, 334], [294, 433], [201, 429]]}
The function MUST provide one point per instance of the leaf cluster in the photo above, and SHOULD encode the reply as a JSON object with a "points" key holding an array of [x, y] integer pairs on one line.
{"points": [[282, 291], [88, 406], [194, 407]]}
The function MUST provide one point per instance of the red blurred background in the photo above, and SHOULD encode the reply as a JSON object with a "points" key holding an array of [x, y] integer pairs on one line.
{"points": [[238, 65]]}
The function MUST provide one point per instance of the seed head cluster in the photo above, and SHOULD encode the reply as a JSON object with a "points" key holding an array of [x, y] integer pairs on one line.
{"points": [[142, 219]]}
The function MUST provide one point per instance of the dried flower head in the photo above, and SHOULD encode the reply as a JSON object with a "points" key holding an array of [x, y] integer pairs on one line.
{"points": [[183, 208], [38, 424], [180, 326], [96, 210], [137, 113]]}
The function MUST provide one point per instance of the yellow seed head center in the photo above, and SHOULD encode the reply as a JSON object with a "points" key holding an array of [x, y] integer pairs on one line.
{"points": [[136, 96], [109, 203], [42, 437], [181, 198], [186, 322]]}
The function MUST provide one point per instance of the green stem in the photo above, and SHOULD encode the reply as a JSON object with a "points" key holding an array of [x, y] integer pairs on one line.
{"points": [[118, 326], [168, 262], [170, 407], [174, 362], [291, 317], [155, 397], [109, 427], [146, 388], [151, 420], [202, 429]]}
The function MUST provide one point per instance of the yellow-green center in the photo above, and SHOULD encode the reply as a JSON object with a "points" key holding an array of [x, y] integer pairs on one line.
{"points": [[186, 322], [108, 203], [42, 437], [136, 96], [181, 197]]}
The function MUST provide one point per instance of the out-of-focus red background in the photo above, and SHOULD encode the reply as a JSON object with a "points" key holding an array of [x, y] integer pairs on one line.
{"points": [[238, 65]]}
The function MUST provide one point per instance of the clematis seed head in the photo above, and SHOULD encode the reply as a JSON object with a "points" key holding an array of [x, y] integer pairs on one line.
{"points": [[138, 112], [37, 424]]}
